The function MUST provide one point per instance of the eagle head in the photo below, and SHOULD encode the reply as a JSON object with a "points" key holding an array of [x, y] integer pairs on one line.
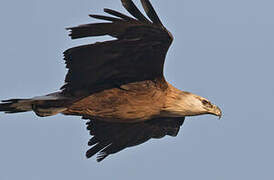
{"points": [[188, 104], [210, 108]]}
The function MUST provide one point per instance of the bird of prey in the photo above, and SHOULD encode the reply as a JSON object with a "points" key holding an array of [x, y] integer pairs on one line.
{"points": [[118, 85]]}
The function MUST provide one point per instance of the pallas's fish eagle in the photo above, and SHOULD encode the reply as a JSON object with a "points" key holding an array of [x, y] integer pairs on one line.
{"points": [[118, 85]]}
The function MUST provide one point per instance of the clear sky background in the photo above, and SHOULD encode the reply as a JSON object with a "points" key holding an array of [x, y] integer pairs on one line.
{"points": [[223, 50]]}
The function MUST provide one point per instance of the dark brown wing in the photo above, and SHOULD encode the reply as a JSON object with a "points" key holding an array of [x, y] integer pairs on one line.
{"points": [[109, 138], [137, 54]]}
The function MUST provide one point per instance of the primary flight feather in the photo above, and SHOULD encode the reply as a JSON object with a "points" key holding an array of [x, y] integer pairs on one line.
{"points": [[119, 84]]}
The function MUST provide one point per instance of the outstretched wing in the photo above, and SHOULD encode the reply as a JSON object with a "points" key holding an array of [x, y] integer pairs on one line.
{"points": [[109, 138], [137, 53]]}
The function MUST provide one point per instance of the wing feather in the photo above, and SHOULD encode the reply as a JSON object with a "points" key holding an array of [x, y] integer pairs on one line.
{"points": [[110, 138], [107, 18], [96, 29], [137, 54], [134, 11], [151, 13], [118, 14]]}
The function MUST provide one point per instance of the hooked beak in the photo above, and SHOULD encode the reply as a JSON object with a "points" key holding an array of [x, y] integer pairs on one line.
{"points": [[217, 111]]}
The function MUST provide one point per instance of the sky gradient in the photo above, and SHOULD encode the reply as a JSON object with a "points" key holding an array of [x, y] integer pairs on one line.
{"points": [[223, 50]]}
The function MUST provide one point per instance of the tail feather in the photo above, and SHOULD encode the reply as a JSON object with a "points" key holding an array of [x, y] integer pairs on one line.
{"points": [[16, 105], [43, 105]]}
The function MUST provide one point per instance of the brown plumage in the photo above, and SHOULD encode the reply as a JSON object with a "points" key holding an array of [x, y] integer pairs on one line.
{"points": [[119, 84]]}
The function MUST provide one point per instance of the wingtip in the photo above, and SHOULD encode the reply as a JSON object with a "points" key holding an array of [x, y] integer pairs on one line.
{"points": [[151, 13], [118, 14], [106, 10], [134, 11], [101, 156], [106, 18]]}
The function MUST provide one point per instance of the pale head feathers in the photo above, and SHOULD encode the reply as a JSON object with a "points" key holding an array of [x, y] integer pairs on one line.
{"points": [[180, 103]]}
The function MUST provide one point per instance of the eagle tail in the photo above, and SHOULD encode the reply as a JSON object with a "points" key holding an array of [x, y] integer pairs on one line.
{"points": [[15, 105], [48, 105]]}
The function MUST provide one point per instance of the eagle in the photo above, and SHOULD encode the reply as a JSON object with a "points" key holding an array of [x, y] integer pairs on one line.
{"points": [[118, 85]]}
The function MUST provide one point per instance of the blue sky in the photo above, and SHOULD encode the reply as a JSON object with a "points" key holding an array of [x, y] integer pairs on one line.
{"points": [[223, 50]]}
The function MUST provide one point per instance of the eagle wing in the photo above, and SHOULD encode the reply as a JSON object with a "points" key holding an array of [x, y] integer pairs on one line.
{"points": [[137, 53], [109, 138]]}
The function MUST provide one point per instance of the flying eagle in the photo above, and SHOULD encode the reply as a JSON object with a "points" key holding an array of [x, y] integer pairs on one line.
{"points": [[118, 85]]}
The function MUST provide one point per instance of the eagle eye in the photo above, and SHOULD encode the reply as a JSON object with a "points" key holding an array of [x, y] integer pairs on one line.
{"points": [[205, 102]]}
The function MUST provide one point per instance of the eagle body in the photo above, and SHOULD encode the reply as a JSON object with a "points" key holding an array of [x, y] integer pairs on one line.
{"points": [[119, 85], [133, 102]]}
